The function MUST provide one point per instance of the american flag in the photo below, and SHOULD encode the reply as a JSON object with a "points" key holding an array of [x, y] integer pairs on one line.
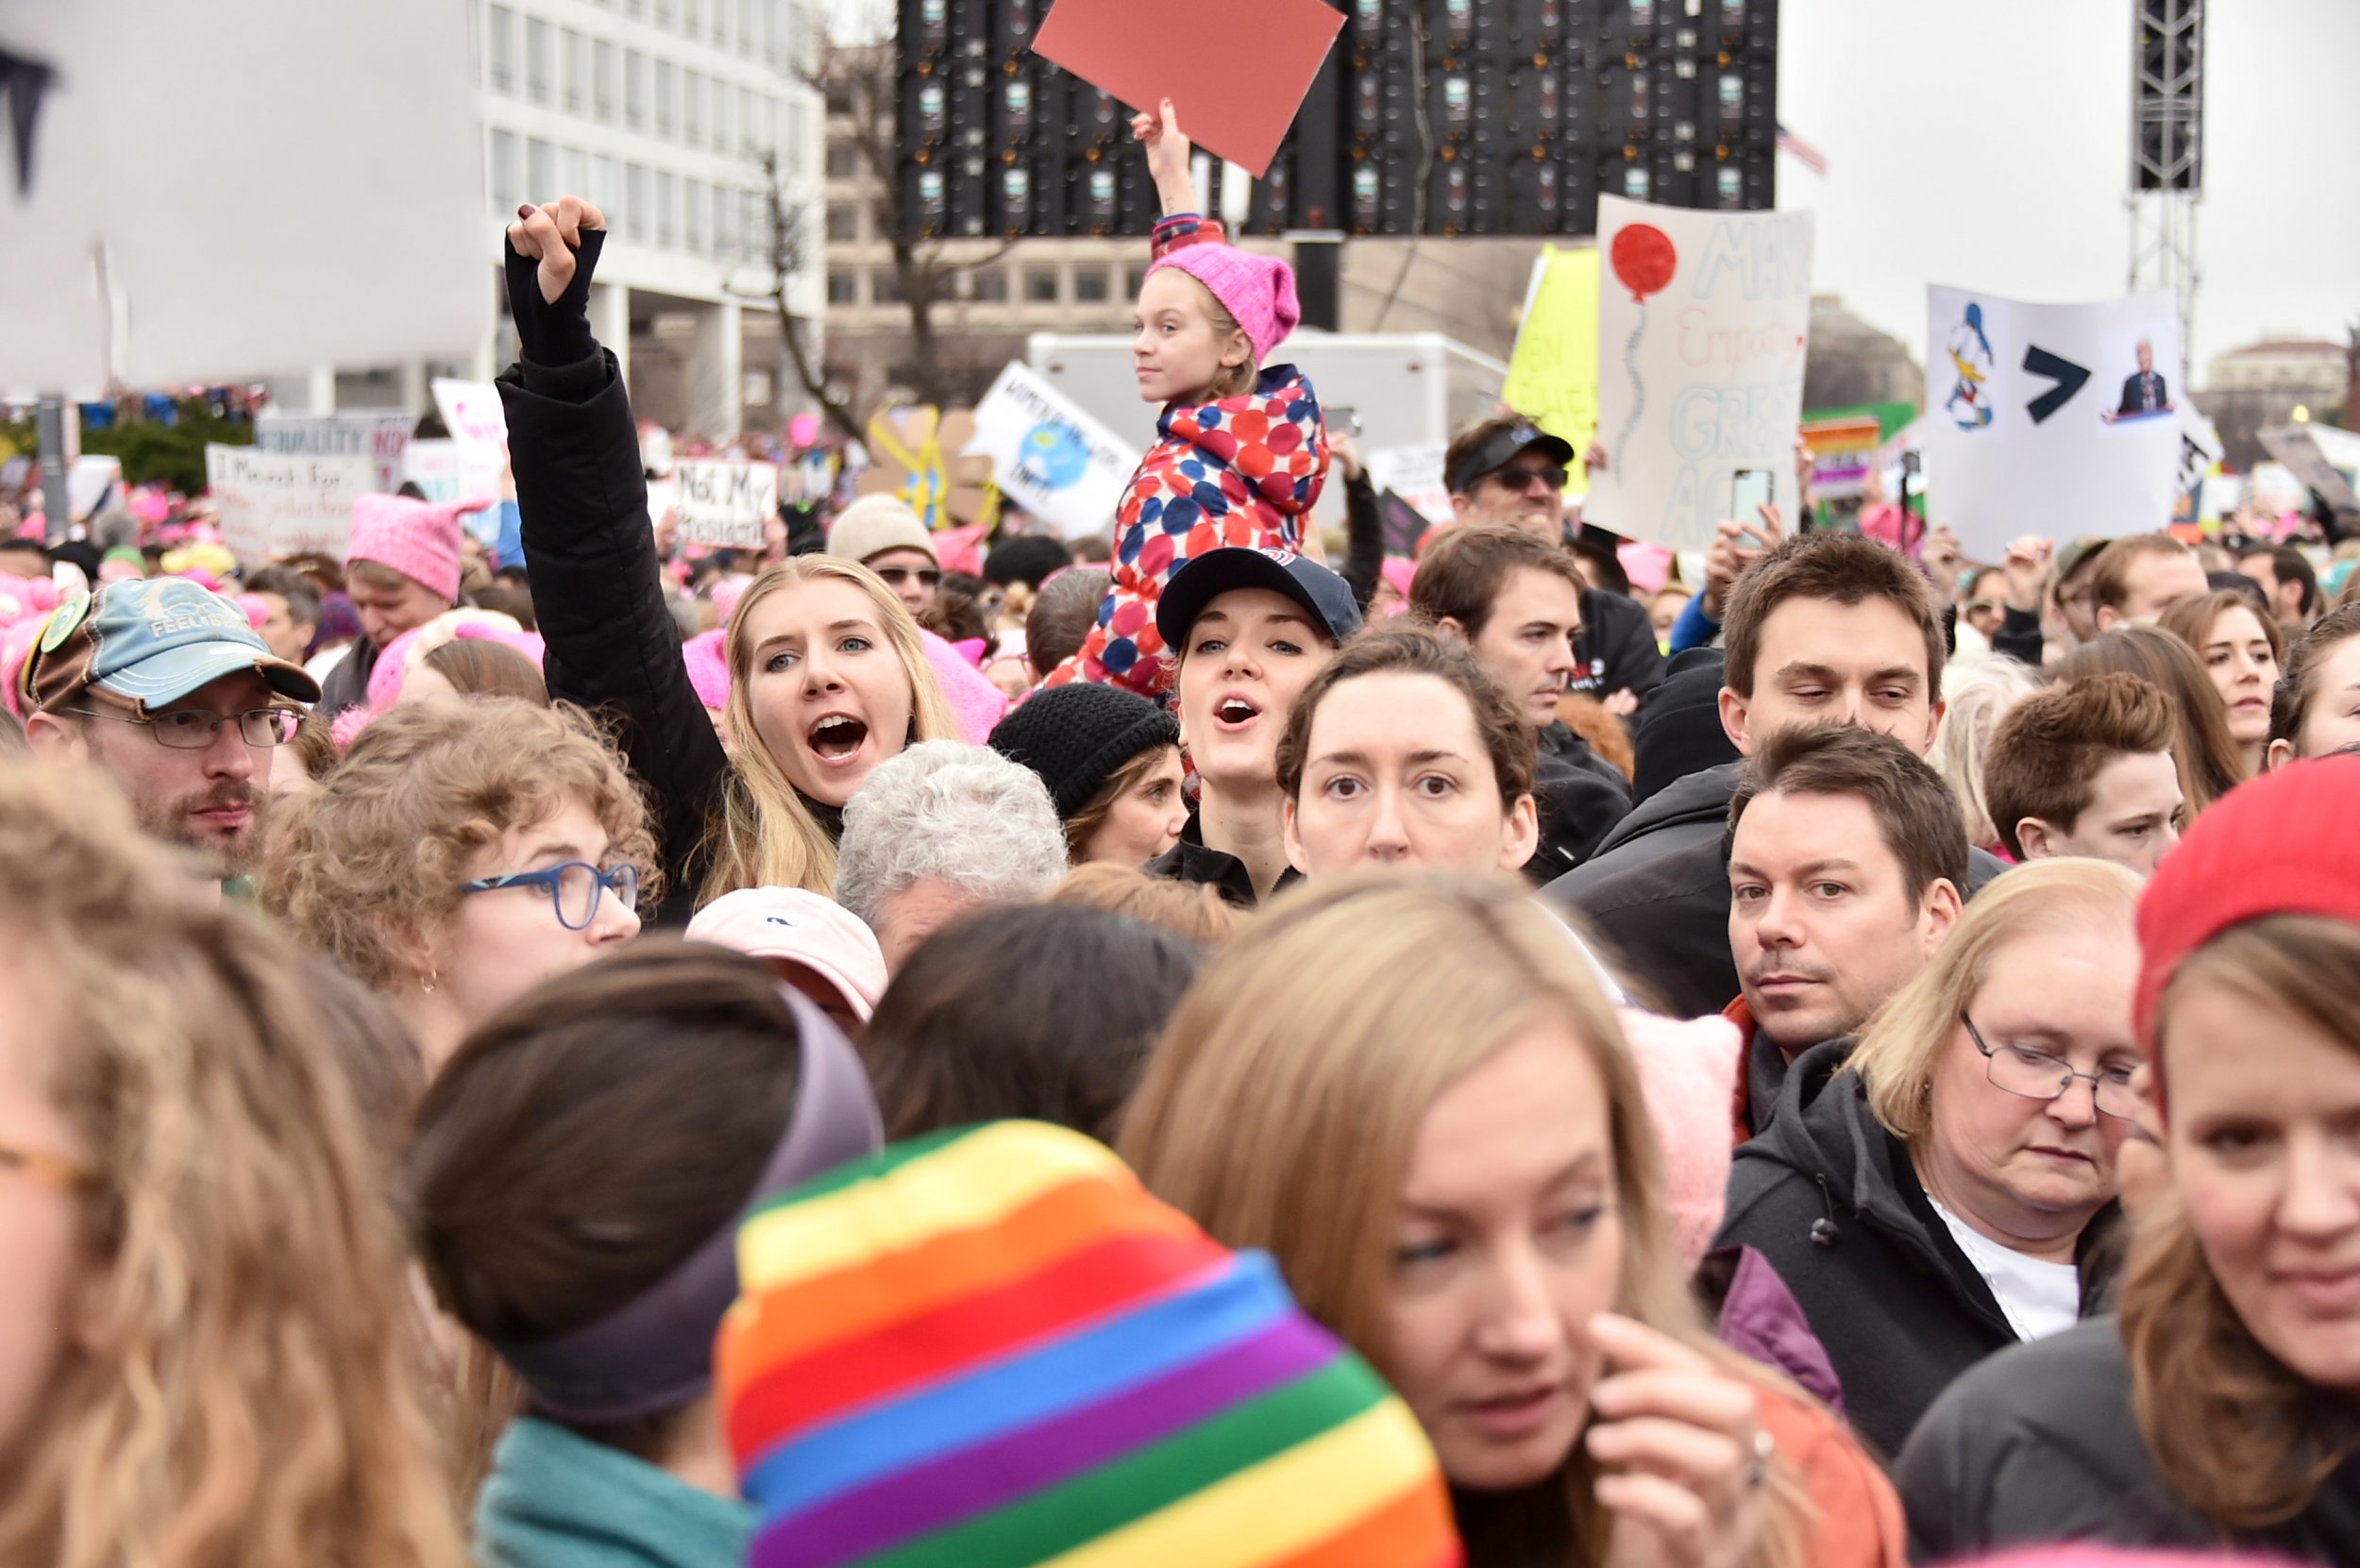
{"points": [[1808, 155]]}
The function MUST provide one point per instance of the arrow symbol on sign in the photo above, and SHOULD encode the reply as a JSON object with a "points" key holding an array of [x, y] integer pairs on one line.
{"points": [[2069, 376]]}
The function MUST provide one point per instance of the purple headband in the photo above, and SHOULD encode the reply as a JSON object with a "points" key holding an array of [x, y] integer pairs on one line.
{"points": [[654, 1353]]}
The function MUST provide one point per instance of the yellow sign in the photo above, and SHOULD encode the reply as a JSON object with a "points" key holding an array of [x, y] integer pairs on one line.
{"points": [[1553, 374]]}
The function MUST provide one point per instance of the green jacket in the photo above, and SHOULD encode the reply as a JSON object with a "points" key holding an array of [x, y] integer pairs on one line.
{"points": [[556, 1500]]}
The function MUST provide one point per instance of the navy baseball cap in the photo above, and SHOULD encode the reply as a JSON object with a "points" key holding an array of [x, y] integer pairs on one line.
{"points": [[149, 644], [1327, 596], [1501, 448]]}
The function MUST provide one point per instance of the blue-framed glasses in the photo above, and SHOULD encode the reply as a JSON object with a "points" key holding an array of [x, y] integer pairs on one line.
{"points": [[574, 888]]}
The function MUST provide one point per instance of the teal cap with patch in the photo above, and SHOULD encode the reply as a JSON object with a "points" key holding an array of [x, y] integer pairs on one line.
{"points": [[151, 644]]}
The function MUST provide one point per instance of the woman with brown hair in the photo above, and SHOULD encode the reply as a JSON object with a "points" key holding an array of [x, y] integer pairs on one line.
{"points": [[2224, 1406], [1404, 752], [206, 1348], [461, 852], [2243, 650], [575, 1181], [1411, 1090], [2206, 752]]}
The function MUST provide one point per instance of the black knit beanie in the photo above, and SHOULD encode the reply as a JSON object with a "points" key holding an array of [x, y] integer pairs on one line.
{"points": [[1076, 736]]}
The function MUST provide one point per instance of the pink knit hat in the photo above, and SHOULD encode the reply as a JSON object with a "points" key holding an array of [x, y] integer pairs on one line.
{"points": [[418, 539], [708, 660], [1258, 291]]}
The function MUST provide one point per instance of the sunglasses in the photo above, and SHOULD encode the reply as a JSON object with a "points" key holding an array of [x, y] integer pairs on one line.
{"points": [[1520, 479], [927, 577]]}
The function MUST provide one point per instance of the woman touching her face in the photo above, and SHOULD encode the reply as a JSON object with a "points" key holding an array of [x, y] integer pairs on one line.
{"points": [[1442, 1040]]}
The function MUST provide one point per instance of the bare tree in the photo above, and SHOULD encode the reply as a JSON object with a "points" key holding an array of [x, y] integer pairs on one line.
{"points": [[789, 251]]}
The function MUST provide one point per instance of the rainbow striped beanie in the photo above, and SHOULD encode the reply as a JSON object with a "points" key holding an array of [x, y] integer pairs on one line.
{"points": [[991, 1347]]}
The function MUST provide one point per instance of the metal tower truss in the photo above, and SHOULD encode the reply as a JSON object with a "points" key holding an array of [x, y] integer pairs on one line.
{"points": [[2166, 148]]}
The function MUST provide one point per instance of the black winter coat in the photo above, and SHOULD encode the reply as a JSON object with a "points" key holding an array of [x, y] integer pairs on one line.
{"points": [[1616, 646], [613, 646], [347, 685], [1580, 796], [1829, 1197], [2039, 1446]]}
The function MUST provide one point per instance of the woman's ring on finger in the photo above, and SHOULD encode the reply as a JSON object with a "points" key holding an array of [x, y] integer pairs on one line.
{"points": [[1758, 1469]]}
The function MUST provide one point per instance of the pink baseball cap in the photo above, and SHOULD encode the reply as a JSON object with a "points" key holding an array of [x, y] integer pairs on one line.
{"points": [[794, 926]]}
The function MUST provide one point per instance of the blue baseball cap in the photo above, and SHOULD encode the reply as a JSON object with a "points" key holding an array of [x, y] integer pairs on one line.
{"points": [[1327, 596], [149, 644]]}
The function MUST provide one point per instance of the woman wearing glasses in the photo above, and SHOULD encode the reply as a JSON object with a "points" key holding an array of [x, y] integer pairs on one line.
{"points": [[462, 853], [2219, 1409], [1927, 1194]]}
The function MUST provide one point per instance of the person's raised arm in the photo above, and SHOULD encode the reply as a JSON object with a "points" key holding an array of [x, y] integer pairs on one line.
{"points": [[1168, 154], [590, 553]]}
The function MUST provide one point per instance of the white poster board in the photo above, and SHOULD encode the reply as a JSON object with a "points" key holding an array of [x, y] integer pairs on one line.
{"points": [[2056, 419], [382, 435], [1415, 475], [1050, 457], [165, 242], [275, 503], [725, 503], [473, 412], [1703, 319]]}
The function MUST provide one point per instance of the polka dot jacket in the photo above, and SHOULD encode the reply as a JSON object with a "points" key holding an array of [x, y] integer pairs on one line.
{"points": [[1241, 470]]}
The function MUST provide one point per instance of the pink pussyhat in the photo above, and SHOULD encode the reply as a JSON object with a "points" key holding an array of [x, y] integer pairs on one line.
{"points": [[1258, 291], [418, 539], [708, 660]]}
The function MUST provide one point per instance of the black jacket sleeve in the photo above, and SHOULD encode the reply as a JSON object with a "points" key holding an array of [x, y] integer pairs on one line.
{"points": [[1617, 635], [612, 644], [1364, 534], [2019, 636]]}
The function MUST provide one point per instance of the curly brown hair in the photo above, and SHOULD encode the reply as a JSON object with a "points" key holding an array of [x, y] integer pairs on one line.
{"points": [[378, 854], [252, 1395]]}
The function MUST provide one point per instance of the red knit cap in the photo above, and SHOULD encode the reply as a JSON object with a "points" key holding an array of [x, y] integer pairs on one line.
{"points": [[2288, 843]]}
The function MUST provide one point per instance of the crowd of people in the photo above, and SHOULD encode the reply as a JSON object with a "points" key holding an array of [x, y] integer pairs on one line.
{"points": [[1191, 1056]]}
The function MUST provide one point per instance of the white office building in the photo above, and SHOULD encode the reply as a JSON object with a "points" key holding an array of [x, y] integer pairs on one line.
{"points": [[663, 113]]}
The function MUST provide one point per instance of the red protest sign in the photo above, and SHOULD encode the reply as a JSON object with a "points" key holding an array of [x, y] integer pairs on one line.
{"points": [[1236, 70]]}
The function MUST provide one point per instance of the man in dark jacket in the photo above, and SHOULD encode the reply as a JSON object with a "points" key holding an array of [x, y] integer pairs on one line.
{"points": [[1517, 602], [1847, 854], [1508, 470], [1826, 629]]}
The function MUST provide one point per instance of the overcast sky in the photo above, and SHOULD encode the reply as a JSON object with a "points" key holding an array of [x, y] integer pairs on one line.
{"points": [[1986, 143]]}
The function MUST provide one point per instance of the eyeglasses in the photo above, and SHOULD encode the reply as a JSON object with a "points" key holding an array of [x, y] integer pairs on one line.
{"points": [[895, 576], [50, 1170], [192, 730], [574, 888], [1521, 479], [2038, 1075]]}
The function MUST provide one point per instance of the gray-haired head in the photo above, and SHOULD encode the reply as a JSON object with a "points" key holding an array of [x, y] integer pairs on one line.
{"points": [[939, 830]]}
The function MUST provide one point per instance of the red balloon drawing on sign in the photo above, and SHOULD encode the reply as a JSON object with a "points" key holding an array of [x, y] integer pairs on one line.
{"points": [[1643, 259]]}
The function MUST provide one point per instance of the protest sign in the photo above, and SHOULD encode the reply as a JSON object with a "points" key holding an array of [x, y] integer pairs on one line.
{"points": [[1048, 456], [472, 410], [1553, 372], [275, 503], [382, 435], [2057, 412], [2325, 459], [725, 503], [1235, 103], [1415, 475], [1702, 328]]}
